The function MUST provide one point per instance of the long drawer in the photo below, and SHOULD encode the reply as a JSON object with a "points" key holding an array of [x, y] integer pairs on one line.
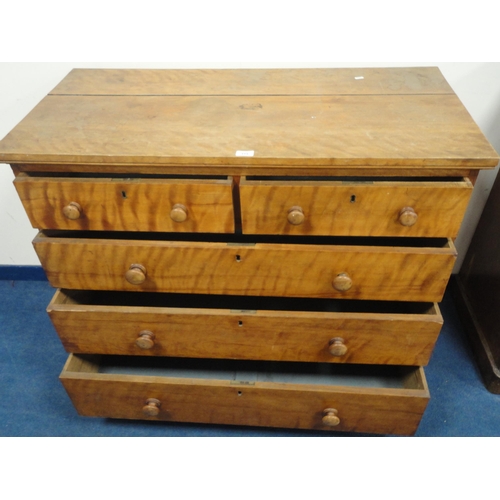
{"points": [[382, 400], [122, 204], [372, 269], [309, 330], [354, 208]]}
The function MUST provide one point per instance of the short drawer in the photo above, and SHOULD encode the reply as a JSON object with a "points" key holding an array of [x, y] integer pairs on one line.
{"points": [[119, 204], [353, 208], [369, 270], [247, 328], [381, 400]]}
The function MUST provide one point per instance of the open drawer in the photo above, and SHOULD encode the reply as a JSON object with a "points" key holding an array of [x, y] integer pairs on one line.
{"points": [[97, 203], [381, 400], [399, 269], [367, 207], [251, 328]]}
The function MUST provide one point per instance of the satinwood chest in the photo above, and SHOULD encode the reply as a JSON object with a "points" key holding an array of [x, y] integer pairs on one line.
{"points": [[249, 247]]}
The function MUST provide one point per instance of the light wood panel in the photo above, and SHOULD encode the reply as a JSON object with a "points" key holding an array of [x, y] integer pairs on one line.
{"points": [[128, 204], [353, 208], [288, 270], [324, 81], [360, 409], [278, 335], [378, 130]]}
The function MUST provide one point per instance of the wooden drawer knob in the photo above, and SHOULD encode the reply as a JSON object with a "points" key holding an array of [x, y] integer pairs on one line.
{"points": [[296, 216], [136, 274], [145, 340], [337, 347], [72, 211], [342, 282], [152, 408], [408, 217], [330, 417], [179, 213]]}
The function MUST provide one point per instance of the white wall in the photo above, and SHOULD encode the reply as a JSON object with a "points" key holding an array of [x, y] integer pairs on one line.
{"points": [[23, 85]]}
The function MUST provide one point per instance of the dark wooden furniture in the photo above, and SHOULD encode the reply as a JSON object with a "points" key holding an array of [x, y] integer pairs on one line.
{"points": [[477, 291]]}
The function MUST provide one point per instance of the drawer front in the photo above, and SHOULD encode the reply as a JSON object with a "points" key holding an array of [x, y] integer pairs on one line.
{"points": [[167, 205], [321, 271], [405, 338], [423, 209], [215, 397]]}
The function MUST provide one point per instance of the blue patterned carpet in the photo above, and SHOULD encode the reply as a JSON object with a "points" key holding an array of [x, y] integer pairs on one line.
{"points": [[34, 402]]}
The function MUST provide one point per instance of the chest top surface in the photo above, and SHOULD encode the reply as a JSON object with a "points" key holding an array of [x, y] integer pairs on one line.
{"points": [[355, 118]]}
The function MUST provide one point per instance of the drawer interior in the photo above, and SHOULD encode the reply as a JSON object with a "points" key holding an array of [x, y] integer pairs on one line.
{"points": [[250, 240], [252, 372], [114, 176], [353, 179], [238, 303]]}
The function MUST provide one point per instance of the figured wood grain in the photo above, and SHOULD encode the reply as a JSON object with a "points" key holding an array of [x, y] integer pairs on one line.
{"points": [[371, 410], [128, 204], [288, 270], [371, 338], [354, 209], [401, 122], [322, 81], [355, 131]]}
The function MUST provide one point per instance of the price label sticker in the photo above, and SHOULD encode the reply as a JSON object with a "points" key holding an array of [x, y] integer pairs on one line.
{"points": [[245, 153]]}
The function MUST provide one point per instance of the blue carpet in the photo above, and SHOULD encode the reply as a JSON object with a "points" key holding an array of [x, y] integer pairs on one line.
{"points": [[34, 402]]}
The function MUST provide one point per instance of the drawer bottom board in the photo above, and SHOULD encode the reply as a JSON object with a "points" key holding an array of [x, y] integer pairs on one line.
{"points": [[355, 398]]}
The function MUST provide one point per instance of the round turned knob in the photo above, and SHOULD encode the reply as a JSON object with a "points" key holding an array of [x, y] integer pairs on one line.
{"points": [[179, 213], [72, 211], [330, 417], [408, 217], [337, 347], [136, 274], [296, 216], [342, 282], [145, 340], [152, 408]]}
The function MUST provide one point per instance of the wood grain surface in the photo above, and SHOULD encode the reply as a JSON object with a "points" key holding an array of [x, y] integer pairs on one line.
{"points": [[128, 204], [356, 123], [277, 335], [325, 81], [360, 409], [288, 270], [355, 131], [354, 208]]}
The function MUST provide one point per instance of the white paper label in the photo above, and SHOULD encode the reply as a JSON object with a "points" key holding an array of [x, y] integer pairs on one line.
{"points": [[359, 77], [245, 153]]}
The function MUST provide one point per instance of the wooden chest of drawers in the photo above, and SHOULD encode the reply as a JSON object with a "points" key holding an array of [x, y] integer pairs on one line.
{"points": [[251, 247]]}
